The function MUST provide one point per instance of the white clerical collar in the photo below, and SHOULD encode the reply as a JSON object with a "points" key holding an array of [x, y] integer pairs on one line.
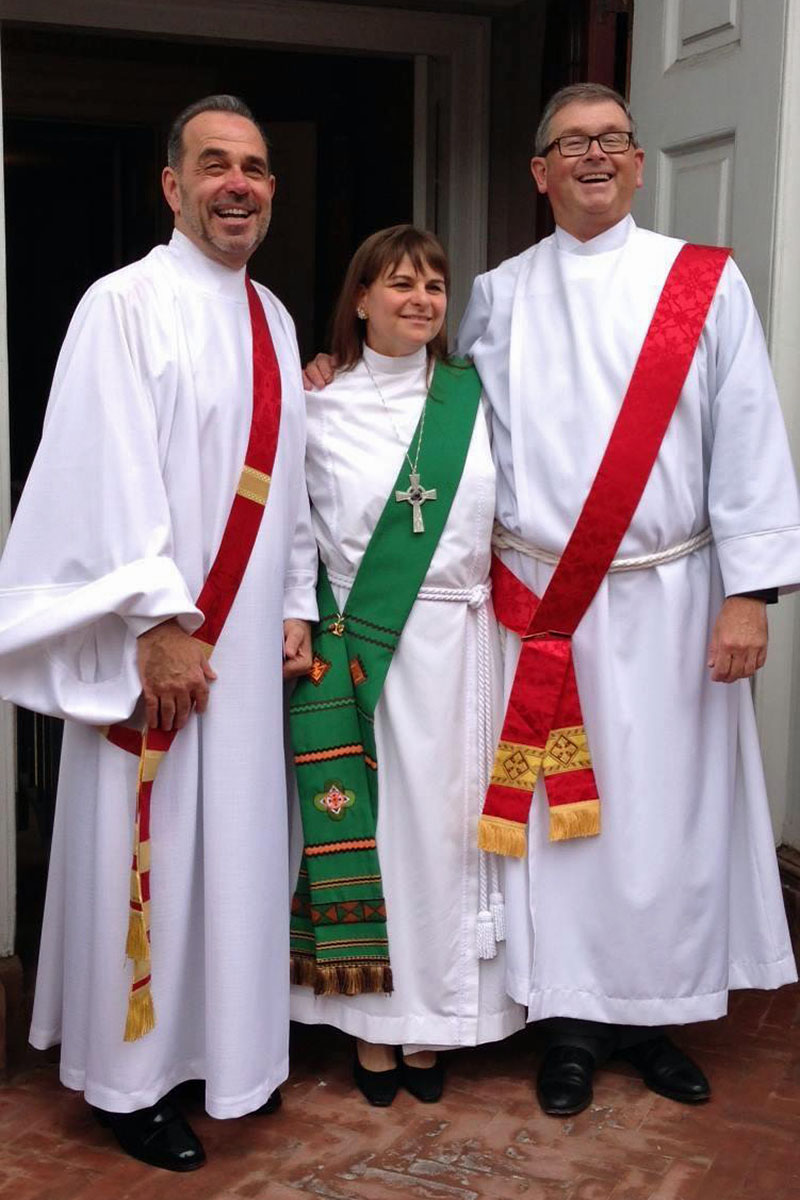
{"points": [[395, 364], [610, 239], [208, 274]]}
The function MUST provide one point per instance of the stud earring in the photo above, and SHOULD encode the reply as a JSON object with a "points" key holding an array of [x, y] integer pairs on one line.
{"points": [[361, 313]]}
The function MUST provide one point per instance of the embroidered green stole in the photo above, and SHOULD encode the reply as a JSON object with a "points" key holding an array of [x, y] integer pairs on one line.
{"points": [[339, 941]]}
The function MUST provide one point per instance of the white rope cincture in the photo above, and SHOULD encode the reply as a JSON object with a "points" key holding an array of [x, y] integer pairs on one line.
{"points": [[486, 926], [504, 539], [490, 923]]}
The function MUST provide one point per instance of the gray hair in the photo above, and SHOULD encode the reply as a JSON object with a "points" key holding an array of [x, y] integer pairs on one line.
{"points": [[219, 103], [589, 93]]}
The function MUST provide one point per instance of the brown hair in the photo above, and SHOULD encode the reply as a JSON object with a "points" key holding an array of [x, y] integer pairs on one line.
{"points": [[379, 253], [220, 103], [588, 93]]}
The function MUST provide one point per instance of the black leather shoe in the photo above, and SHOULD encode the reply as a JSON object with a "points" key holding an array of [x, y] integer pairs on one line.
{"points": [[159, 1136], [667, 1070], [425, 1083], [270, 1105], [379, 1087], [564, 1082]]}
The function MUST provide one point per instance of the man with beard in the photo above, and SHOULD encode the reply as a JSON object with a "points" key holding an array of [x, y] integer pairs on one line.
{"points": [[165, 517]]}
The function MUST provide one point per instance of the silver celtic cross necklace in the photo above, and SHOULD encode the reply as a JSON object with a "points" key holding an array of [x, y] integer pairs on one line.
{"points": [[415, 494]]}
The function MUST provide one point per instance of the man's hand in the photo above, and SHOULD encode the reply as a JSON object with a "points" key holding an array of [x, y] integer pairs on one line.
{"points": [[739, 640], [175, 675], [296, 648], [319, 372]]}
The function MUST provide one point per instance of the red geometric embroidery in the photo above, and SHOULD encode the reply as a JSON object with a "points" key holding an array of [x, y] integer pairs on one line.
{"points": [[319, 669], [357, 672]]}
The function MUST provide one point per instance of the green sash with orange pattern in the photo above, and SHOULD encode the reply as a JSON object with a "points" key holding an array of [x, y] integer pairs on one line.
{"points": [[339, 940]]}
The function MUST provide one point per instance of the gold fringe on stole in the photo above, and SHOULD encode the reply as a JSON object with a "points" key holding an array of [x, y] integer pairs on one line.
{"points": [[498, 835], [581, 819], [340, 979], [136, 946], [141, 1017]]}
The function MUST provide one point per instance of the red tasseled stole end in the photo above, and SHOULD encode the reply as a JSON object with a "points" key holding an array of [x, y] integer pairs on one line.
{"points": [[141, 1018], [581, 819], [499, 835]]}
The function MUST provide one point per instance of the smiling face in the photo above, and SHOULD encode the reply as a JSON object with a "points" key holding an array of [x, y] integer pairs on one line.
{"points": [[221, 194], [405, 308], [591, 193]]}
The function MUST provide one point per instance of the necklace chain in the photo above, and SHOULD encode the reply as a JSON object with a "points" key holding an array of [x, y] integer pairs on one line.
{"points": [[398, 435]]}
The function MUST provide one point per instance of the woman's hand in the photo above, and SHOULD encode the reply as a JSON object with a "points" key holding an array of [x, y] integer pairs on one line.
{"points": [[319, 372], [296, 648]]}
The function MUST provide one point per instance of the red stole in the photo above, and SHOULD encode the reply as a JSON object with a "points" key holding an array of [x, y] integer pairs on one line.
{"points": [[543, 730], [215, 600]]}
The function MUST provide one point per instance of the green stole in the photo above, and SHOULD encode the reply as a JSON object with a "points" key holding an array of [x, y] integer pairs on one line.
{"points": [[339, 941]]}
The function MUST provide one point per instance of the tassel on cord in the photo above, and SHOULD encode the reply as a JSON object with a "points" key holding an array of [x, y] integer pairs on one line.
{"points": [[500, 836], [497, 906], [484, 925], [581, 819], [487, 947]]}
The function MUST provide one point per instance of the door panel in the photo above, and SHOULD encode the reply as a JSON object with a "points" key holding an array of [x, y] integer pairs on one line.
{"points": [[705, 89]]}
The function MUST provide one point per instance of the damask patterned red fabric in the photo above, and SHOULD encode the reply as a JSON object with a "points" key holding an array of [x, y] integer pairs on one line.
{"points": [[543, 727], [216, 597]]}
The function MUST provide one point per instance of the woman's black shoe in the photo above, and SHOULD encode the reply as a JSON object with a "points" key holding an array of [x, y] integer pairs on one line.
{"points": [[159, 1136], [379, 1087], [426, 1083]]}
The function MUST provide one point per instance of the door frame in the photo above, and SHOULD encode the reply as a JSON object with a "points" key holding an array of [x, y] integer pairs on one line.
{"points": [[777, 686], [458, 45], [8, 741]]}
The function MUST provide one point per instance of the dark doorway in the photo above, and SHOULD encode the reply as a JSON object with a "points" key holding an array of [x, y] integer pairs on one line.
{"points": [[86, 119]]}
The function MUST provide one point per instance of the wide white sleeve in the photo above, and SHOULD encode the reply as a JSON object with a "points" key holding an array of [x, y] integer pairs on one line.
{"points": [[300, 580], [753, 501], [476, 318], [88, 564], [300, 588]]}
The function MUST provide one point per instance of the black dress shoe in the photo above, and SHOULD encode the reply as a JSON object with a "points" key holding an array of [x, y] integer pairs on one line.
{"points": [[425, 1083], [564, 1082], [159, 1136], [667, 1070], [379, 1087], [270, 1105]]}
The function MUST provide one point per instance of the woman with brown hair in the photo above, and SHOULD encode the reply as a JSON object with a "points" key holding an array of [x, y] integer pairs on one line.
{"points": [[397, 919]]}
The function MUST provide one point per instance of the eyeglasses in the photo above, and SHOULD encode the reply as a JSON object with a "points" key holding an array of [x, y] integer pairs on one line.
{"points": [[575, 145]]}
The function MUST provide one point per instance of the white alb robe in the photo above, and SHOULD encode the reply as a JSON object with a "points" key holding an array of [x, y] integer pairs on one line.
{"points": [[678, 899], [435, 722], [124, 509]]}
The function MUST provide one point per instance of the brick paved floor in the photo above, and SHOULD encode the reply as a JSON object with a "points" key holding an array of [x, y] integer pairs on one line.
{"points": [[486, 1140]]}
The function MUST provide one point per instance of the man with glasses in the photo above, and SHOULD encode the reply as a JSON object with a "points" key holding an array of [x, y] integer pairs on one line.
{"points": [[674, 898]]}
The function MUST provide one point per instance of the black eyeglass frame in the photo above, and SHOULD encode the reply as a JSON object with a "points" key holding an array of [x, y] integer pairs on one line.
{"points": [[594, 137]]}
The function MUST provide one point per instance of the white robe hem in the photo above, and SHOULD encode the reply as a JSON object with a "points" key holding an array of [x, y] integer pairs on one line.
{"points": [[654, 1010], [442, 1032], [223, 1108], [113, 1100]]}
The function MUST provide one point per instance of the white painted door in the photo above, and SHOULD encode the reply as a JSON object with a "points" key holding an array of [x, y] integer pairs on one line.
{"points": [[706, 91], [715, 89]]}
